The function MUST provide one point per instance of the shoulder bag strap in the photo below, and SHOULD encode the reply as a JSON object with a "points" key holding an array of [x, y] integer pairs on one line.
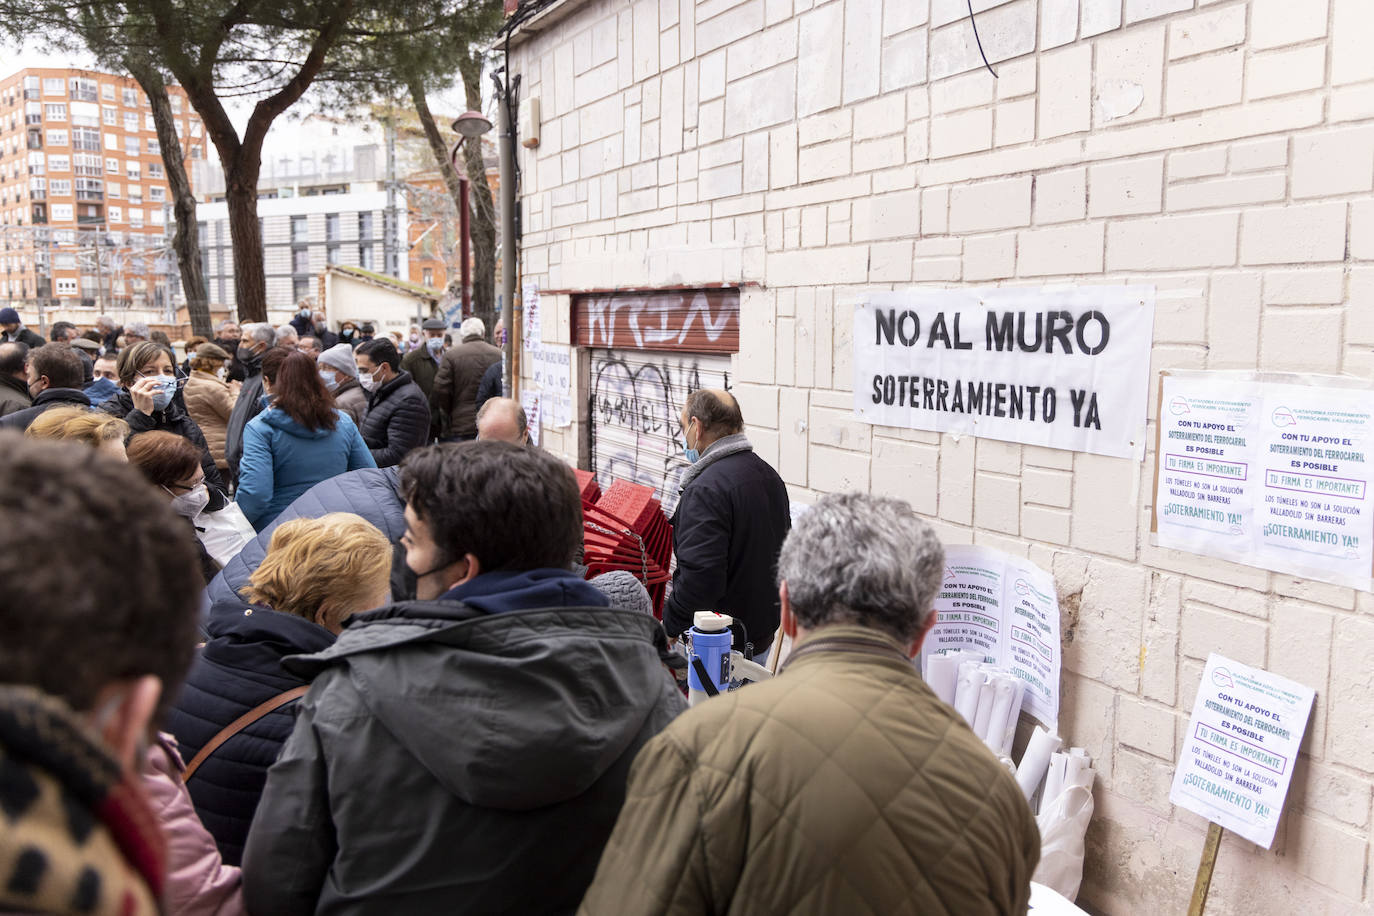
{"points": [[239, 724]]}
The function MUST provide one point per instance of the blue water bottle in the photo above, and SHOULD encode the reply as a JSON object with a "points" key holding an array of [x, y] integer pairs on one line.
{"points": [[708, 670]]}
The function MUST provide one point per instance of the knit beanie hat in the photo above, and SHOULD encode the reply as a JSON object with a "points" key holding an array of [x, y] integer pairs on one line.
{"points": [[624, 591], [340, 357]]}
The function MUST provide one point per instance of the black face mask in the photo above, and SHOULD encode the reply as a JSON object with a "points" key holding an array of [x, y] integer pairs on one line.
{"points": [[248, 357]]}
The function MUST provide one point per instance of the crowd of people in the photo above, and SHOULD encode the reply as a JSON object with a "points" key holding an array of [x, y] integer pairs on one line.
{"points": [[399, 691]]}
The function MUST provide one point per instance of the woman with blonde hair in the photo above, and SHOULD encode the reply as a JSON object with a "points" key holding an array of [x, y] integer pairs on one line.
{"points": [[99, 430], [317, 573]]}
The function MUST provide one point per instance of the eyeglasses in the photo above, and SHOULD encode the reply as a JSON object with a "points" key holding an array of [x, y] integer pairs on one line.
{"points": [[186, 488], [180, 379]]}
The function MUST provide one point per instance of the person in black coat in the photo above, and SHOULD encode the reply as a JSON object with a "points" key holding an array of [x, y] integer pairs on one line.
{"points": [[317, 573], [11, 328], [149, 398], [397, 418], [55, 378], [491, 385], [729, 524]]}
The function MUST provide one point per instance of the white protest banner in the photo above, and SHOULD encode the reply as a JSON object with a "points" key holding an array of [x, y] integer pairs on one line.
{"points": [[530, 401], [532, 332], [1242, 742], [1004, 608], [1063, 367], [1269, 472], [551, 368]]}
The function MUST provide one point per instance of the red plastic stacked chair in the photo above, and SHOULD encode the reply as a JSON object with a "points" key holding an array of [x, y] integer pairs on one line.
{"points": [[625, 528]]}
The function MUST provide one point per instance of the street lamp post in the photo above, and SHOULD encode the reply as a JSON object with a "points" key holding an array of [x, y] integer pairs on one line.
{"points": [[469, 125]]}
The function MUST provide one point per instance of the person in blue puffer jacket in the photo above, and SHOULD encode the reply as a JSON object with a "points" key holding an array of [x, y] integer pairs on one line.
{"points": [[299, 440]]}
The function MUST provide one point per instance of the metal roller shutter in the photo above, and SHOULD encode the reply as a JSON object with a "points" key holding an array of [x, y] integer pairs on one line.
{"points": [[637, 398]]}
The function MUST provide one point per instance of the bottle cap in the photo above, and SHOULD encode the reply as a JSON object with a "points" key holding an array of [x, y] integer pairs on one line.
{"points": [[710, 621]]}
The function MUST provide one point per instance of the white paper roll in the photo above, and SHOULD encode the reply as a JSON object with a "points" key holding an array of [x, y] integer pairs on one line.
{"points": [[987, 697], [1054, 780], [1014, 716], [942, 674], [1036, 760], [966, 694], [1005, 692]]}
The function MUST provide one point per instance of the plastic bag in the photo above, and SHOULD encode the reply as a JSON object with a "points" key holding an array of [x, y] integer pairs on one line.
{"points": [[1063, 825], [224, 533]]}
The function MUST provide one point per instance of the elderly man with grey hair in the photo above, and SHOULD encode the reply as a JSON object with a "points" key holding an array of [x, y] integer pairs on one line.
{"points": [[287, 338], [505, 420], [841, 786], [257, 339], [460, 374]]}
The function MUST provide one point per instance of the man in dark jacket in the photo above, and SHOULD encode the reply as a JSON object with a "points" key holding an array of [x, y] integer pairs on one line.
{"points": [[14, 377], [491, 385], [55, 377], [466, 752], [455, 386], [730, 522], [397, 418], [326, 337], [14, 329], [422, 362], [257, 340], [843, 785]]}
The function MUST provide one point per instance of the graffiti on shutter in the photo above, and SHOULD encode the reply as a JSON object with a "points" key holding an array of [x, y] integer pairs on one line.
{"points": [[701, 321], [637, 399]]}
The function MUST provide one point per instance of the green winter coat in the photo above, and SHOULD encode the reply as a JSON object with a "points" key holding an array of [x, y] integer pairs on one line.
{"points": [[843, 786]]}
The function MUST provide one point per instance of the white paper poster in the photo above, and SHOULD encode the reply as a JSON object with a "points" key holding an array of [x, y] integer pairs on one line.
{"points": [[551, 372], [1004, 607], [1064, 367], [1273, 474], [530, 401], [1241, 745], [532, 332]]}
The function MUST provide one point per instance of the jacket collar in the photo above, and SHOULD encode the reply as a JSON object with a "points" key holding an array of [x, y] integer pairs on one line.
{"points": [[16, 384], [384, 391], [62, 396], [721, 448], [852, 642]]}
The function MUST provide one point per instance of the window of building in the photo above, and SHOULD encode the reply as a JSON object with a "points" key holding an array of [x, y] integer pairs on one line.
{"points": [[84, 114], [40, 213], [38, 187], [116, 214], [135, 194], [131, 146], [176, 103], [155, 170], [427, 276], [196, 129], [331, 227], [110, 115], [55, 111], [114, 189], [35, 139], [86, 138], [66, 286], [63, 213], [38, 163], [300, 260], [107, 92], [33, 113], [90, 189], [157, 217], [332, 255], [83, 89], [86, 164], [157, 192], [364, 225], [112, 166], [58, 163], [54, 86], [30, 87], [111, 143], [136, 219], [61, 187], [365, 256], [130, 99], [195, 152], [300, 229], [57, 138], [300, 288], [148, 122], [130, 120], [154, 148]]}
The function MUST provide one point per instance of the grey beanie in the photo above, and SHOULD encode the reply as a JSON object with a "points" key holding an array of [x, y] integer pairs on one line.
{"points": [[340, 357], [624, 591]]}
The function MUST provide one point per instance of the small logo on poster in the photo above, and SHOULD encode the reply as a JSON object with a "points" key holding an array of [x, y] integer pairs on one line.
{"points": [[1222, 678], [1282, 416], [1179, 406]]}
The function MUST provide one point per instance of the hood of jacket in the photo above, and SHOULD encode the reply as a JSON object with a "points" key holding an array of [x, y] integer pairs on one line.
{"points": [[281, 421], [520, 695], [258, 638]]}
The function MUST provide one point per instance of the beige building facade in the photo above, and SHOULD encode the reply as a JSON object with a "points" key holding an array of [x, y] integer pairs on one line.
{"points": [[747, 167]]}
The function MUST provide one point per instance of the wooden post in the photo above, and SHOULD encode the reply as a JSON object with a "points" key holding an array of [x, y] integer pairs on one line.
{"points": [[1205, 867]]}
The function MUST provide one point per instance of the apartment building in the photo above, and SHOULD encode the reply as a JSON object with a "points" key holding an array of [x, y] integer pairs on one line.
{"points": [[84, 201]]}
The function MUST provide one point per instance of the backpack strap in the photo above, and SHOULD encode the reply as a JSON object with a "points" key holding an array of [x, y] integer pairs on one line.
{"points": [[239, 724]]}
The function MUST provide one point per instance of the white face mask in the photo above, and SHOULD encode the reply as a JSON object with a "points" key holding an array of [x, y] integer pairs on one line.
{"points": [[367, 380], [220, 373], [192, 503], [331, 381]]}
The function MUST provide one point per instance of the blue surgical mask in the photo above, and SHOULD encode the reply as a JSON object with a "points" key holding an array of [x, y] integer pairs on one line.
{"points": [[167, 387], [331, 381], [435, 344], [693, 456]]}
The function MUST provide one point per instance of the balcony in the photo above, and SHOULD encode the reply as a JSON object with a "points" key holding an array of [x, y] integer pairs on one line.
{"points": [[33, 120], [84, 95], [90, 195], [38, 195], [32, 94], [84, 220], [35, 142], [89, 145]]}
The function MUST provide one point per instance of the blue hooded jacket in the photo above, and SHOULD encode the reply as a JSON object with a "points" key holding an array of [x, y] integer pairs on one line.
{"points": [[282, 459]]}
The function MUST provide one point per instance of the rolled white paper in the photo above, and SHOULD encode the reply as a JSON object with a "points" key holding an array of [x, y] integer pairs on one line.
{"points": [[942, 674], [995, 734], [987, 696], [1014, 716], [1036, 760], [966, 694], [1054, 779]]}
